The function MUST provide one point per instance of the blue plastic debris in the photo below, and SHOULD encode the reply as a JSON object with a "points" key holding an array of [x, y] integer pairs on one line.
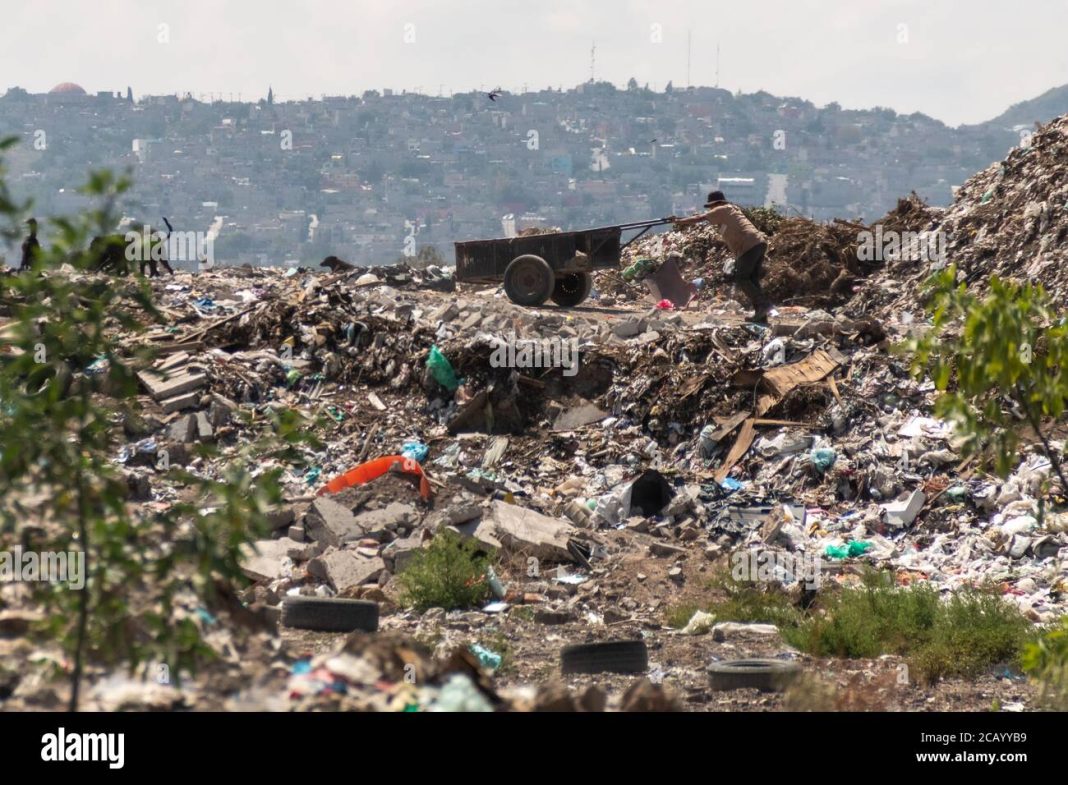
{"points": [[486, 658], [415, 450], [823, 458], [98, 366], [205, 616]]}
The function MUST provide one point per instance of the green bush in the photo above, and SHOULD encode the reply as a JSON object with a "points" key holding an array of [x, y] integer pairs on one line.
{"points": [[450, 573], [983, 352], [970, 631], [1046, 660], [58, 441]]}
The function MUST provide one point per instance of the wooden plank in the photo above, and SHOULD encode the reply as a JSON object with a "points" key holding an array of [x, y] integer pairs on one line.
{"points": [[834, 389], [780, 423], [813, 368], [727, 427], [196, 334], [784, 378], [185, 346], [740, 448]]}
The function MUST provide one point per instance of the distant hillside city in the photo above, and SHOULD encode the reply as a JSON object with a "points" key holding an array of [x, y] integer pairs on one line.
{"points": [[373, 177]]}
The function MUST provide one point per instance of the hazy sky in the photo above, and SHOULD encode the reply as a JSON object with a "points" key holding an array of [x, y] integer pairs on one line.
{"points": [[961, 61]]}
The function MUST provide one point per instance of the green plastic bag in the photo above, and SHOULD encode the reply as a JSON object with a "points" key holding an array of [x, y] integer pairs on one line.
{"points": [[441, 369], [853, 549]]}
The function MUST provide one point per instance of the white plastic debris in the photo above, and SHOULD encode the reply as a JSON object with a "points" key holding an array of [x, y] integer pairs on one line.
{"points": [[903, 513]]}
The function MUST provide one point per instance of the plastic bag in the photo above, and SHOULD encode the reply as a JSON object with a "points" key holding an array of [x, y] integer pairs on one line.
{"points": [[441, 369]]}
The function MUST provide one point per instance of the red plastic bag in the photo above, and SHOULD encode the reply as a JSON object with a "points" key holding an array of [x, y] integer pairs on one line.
{"points": [[371, 470]]}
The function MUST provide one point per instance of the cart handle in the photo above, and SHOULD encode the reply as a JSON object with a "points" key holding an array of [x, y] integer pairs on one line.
{"points": [[640, 224]]}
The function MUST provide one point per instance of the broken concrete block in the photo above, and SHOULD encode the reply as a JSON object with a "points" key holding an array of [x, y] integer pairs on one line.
{"points": [[376, 522], [461, 513], [345, 569], [205, 433], [445, 313], [183, 430], [627, 328], [179, 402], [663, 549], [399, 553], [178, 382], [529, 532], [331, 522], [218, 413], [296, 533], [481, 529], [265, 559], [280, 518], [549, 616], [306, 550]]}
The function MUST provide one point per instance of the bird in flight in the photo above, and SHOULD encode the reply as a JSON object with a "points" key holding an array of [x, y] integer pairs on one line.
{"points": [[493, 94]]}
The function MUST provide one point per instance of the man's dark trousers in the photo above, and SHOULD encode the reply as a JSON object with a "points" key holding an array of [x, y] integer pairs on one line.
{"points": [[747, 273]]}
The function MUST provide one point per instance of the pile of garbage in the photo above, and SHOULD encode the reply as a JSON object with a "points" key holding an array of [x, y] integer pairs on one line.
{"points": [[608, 458], [809, 263], [1010, 220], [401, 275]]}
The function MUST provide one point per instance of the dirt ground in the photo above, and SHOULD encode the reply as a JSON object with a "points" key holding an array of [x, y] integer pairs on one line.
{"points": [[531, 651]]}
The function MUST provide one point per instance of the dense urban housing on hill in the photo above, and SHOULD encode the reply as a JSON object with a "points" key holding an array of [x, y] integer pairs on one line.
{"points": [[370, 177]]}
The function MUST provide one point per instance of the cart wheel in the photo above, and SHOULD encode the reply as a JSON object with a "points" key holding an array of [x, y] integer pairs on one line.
{"points": [[572, 289], [528, 280]]}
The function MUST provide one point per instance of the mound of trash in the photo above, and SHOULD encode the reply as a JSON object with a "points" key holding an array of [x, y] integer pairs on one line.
{"points": [[809, 263], [1010, 220]]}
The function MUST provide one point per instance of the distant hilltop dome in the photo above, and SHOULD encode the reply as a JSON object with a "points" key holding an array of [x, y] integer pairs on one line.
{"points": [[67, 88]]}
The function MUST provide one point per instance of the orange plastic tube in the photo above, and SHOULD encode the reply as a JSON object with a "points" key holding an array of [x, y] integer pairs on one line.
{"points": [[371, 470]]}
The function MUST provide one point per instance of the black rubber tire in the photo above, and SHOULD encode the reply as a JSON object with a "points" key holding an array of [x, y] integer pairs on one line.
{"points": [[762, 674], [571, 289], [42, 379], [610, 657], [528, 280], [329, 614]]}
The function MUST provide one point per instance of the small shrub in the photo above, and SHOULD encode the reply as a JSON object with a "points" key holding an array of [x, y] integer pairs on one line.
{"points": [[969, 632], [449, 574], [741, 601], [748, 601], [1046, 660]]}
